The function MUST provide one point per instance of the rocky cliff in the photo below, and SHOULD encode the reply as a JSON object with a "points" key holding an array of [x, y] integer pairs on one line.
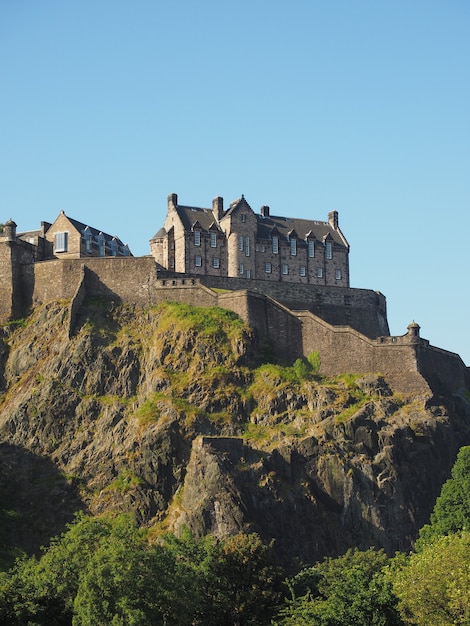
{"points": [[169, 413]]}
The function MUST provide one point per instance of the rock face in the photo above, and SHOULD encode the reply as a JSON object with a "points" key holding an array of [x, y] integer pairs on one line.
{"points": [[167, 413]]}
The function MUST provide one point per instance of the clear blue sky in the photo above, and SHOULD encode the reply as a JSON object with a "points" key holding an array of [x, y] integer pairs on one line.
{"points": [[360, 106]]}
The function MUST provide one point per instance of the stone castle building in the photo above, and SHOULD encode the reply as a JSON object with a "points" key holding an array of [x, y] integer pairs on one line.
{"points": [[287, 278], [238, 243], [67, 238]]}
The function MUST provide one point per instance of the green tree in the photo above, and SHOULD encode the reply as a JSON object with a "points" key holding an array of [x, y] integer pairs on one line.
{"points": [[246, 583], [101, 571], [349, 590], [452, 509], [434, 584]]}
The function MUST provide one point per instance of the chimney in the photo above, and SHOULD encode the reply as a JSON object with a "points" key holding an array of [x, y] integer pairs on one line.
{"points": [[218, 208], [265, 211], [172, 200], [333, 219]]}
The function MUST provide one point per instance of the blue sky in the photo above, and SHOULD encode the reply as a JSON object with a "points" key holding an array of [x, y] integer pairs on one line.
{"points": [[308, 106]]}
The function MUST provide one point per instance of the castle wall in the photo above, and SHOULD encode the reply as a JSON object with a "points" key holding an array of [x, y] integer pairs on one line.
{"points": [[444, 370], [363, 309], [408, 362]]}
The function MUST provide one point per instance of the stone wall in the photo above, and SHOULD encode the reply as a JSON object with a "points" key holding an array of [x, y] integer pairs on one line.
{"points": [[409, 363], [362, 309]]}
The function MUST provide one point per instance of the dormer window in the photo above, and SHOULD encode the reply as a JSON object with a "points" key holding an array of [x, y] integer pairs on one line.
{"points": [[114, 247], [293, 246], [213, 240], [87, 238], [311, 248], [101, 245], [197, 237], [329, 250], [275, 245]]}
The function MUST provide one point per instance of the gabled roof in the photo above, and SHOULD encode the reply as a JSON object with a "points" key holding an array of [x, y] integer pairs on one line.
{"points": [[80, 226], [189, 215], [268, 225]]}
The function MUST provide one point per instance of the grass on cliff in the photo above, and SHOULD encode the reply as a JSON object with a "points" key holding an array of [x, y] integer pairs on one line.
{"points": [[208, 321]]}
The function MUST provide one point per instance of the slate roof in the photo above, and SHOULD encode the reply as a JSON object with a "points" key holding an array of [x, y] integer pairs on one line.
{"points": [[303, 228], [284, 225], [189, 215], [80, 226]]}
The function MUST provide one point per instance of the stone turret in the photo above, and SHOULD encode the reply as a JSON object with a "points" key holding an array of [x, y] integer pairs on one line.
{"points": [[413, 332], [9, 230]]}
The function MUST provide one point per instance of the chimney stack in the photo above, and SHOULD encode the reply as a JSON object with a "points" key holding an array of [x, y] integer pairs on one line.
{"points": [[218, 208], [333, 219], [172, 200], [265, 211]]}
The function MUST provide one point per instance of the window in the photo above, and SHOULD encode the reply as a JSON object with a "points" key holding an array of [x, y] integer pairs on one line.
{"points": [[241, 269], [248, 273], [197, 238], [302, 271], [61, 242], [319, 272], [311, 248], [213, 240], [113, 246], [240, 242], [293, 246], [87, 238], [197, 261], [329, 250], [247, 246], [216, 262], [284, 269], [243, 216], [275, 245], [101, 244], [338, 274], [267, 268]]}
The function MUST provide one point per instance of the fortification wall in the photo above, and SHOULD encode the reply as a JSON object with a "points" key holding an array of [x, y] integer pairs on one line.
{"points": [[444, 370], [277, 329], [362, 309], [408, 362], [6, 283]]}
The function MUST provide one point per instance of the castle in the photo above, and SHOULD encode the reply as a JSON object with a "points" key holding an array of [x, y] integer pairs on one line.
{"points": [[239, 243], [287, 278]]}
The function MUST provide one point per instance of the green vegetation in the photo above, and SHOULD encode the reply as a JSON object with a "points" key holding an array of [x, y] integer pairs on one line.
{"points": [[452, 509], [215, 322], [351, 589], [105, 571]]}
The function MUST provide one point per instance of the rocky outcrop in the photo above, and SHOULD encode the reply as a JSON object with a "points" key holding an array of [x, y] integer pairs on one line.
{"points": [[165, 412]]}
